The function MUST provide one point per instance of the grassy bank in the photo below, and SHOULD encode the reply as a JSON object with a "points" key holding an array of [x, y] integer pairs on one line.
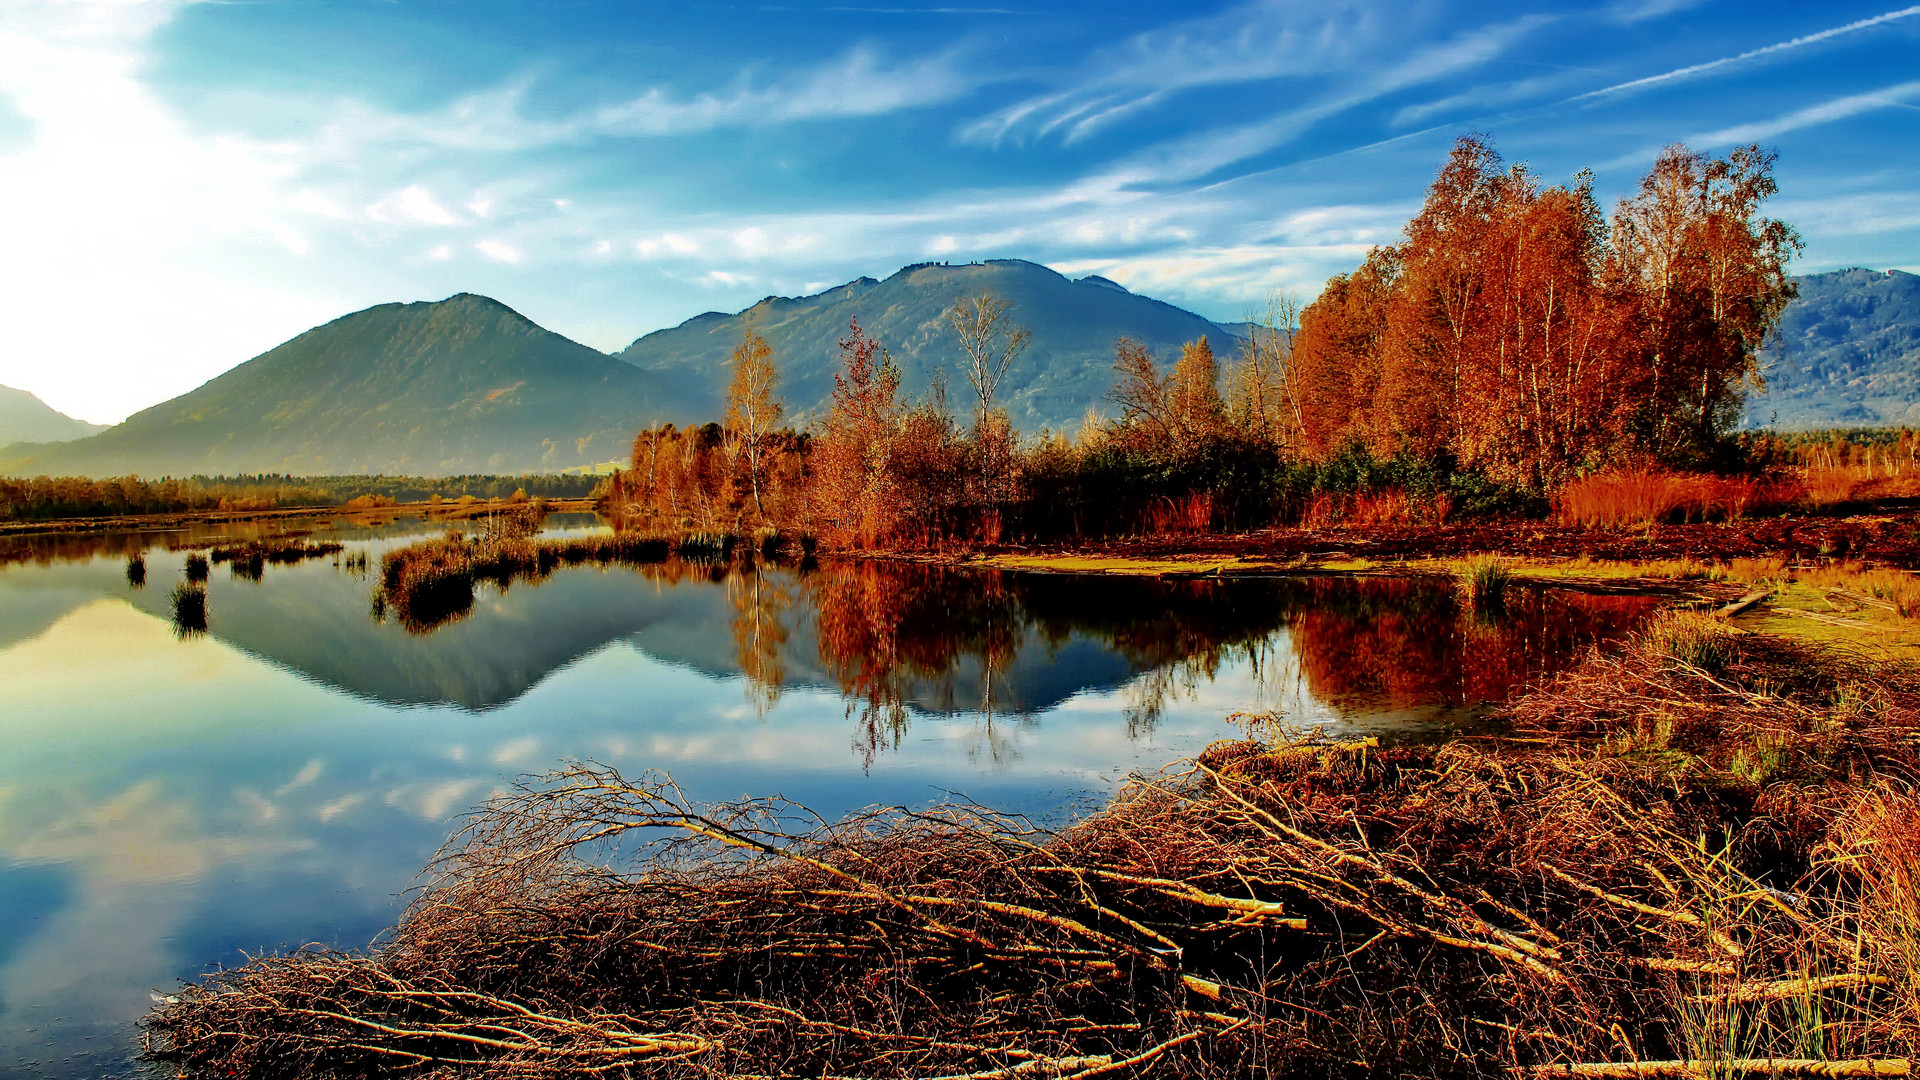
{"points": [[1693, 857]]}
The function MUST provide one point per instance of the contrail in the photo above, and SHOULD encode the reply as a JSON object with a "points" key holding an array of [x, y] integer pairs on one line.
{"points": [[1714, 65]]}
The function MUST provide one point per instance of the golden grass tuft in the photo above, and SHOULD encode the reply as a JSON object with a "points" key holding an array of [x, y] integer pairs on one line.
{"points": [[1483, 580]]}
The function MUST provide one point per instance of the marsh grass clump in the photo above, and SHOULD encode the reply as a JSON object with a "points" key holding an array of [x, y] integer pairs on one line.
{"points": [[431, 583], [1483, 581], [1693, 639], [706, 546], [249, 559], [247, 566], [196, 567], [189, 601], [137, 570]]}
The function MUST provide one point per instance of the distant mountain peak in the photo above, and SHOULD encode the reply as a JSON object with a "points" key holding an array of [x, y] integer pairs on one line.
{"points": [[461, 385], [1067, 367], [24, 418]]}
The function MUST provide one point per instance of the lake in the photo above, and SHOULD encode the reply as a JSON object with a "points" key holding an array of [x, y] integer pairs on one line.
{"points": [[170, 799]]}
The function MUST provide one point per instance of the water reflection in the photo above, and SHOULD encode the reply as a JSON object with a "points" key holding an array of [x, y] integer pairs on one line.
{"points": [[166, 802], [892, 639]]}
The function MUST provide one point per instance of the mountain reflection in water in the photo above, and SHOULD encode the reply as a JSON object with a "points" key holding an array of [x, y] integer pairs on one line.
{"points": [[891, 638]]}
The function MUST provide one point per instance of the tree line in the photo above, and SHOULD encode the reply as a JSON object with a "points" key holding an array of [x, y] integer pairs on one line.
{"points": [[1514, 339], [45, 498]]}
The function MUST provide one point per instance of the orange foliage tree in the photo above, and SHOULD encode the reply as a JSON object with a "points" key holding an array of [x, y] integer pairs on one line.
{"points": [[1516, 330], [855, 491]]}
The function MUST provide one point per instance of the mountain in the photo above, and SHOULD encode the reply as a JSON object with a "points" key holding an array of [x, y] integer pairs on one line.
{"points": [[26, 419], [1848, 354], [1067, 367], [466, 384]]}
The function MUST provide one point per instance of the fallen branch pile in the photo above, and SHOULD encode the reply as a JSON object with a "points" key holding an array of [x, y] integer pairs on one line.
{"points": [[1296, 908]]}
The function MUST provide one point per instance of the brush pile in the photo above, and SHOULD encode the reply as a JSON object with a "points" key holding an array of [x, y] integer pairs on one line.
{"points": [[1738, 899]]}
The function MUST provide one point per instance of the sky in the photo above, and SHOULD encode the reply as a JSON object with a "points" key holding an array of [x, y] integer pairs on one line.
{"points": [[184, 185]]}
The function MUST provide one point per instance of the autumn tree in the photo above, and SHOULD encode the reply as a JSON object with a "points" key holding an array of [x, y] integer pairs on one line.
{"points": [[855, 487], [1140, 392], [1334, 358], [1193, 397], [1517, 330], [990, 342], [1713, 277], [753, 410], [1175, 413]]}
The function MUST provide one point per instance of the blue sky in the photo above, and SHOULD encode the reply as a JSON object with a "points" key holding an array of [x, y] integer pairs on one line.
{"points": [[184, 185]]}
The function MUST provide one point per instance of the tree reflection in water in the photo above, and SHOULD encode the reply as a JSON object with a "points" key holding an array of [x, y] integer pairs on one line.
{"points": [[893, 635]]}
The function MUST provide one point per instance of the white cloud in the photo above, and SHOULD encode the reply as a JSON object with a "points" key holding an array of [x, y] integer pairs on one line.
{"points": [[1633, 11], [1875, 214], [498, 251], [412, 203]]}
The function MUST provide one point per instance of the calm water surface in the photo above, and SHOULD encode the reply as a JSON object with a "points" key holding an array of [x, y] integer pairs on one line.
{"points": [[169, 800]]}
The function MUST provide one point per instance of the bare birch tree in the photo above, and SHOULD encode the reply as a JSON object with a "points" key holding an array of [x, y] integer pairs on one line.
{"points": [[753, 410]]}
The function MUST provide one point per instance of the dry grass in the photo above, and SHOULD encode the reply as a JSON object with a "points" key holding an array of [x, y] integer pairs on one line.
{"points": [[1893, 590], [1671, 869], [1387, 506], [1829, 486], [1616, 500]]}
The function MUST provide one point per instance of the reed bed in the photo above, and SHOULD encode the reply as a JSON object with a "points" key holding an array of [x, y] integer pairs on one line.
{"points": [[284, 550], [1614, 500], [430, 583], [137, 569], [1663, 871], [197, 567]]}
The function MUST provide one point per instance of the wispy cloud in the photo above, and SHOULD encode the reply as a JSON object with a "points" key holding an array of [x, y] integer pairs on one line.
{"points": [[1696, 70], [1826, 112], [1204, 153], [1634, 11], [1251, 42], [858, 84]]}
